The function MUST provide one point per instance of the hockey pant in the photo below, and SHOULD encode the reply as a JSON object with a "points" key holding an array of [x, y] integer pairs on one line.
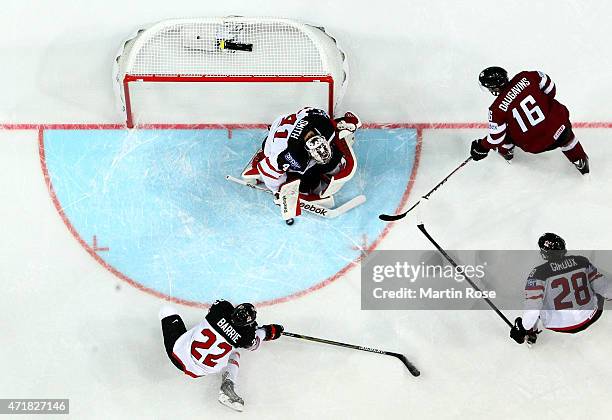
{"points": [[566, 142], [172, 328]]}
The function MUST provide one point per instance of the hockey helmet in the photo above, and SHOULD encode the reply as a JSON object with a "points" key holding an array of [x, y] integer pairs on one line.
{"points": [[244, 315], [493, 79], [552, 246]]}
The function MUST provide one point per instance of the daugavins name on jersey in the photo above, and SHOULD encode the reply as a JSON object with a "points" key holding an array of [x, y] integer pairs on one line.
{"points": [[527, 113]]}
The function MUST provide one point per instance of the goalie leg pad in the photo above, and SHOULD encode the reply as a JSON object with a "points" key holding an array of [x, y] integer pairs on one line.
{"points": [[289, 197], [250, 173]]}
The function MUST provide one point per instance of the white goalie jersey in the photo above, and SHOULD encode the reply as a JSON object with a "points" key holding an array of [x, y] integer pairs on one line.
{"points": [[284, 153], [280, 158]]}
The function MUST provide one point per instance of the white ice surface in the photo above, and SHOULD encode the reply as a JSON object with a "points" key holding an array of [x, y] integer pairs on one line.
{"points": [[72, 330]]}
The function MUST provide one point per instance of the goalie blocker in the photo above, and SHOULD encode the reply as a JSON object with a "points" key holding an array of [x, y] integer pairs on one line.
{"points": [[308, 153]]}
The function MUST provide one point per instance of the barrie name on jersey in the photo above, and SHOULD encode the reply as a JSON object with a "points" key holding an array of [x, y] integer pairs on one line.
{"points": [[217, 336]]}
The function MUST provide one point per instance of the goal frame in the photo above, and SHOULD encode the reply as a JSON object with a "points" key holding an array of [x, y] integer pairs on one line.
{"points": [[334, 74], [129, 78]]}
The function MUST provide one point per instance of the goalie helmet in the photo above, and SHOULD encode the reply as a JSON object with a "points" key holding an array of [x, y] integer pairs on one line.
{"points": [[244, 315], [317, 135], [552, 246], [318, 148], [494, 79]]}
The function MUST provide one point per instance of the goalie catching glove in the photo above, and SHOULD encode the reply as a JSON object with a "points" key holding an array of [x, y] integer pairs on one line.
{"points": [[347, 125]]}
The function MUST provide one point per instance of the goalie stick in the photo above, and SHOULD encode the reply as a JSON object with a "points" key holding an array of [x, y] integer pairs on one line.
{"points": [[311, 207], [393, 217], [411, 368], [421, 227]]}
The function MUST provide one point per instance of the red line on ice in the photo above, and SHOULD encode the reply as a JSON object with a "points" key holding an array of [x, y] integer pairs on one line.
{"points": [[96, 247]]}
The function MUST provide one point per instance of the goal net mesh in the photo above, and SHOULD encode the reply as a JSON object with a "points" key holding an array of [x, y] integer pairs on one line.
{"points": [[229, 47], [227, 69]]}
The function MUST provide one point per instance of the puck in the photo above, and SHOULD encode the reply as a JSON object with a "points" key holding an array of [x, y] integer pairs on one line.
{"points": [[289, 221]]}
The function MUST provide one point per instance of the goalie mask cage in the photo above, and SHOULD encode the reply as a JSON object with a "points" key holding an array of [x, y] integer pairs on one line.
{"points": [[215, 70]]}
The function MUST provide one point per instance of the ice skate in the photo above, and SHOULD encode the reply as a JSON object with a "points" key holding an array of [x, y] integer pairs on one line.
{"points": [[582, 165], [227, 395]]}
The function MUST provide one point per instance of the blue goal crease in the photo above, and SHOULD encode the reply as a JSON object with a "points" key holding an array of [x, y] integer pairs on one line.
{"points": [[159, 200]]}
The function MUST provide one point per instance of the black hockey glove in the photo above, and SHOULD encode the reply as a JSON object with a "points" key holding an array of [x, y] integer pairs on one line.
{"points": [[478, 151], [273, 331], [532, 337], [518, 332]]}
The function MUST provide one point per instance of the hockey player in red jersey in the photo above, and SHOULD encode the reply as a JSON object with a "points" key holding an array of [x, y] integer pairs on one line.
{"points": [[307, 152], [526, 114], [565, 294], [212, 346]]}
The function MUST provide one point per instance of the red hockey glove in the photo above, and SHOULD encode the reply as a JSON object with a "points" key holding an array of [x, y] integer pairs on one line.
{"points": [[273, 331]]}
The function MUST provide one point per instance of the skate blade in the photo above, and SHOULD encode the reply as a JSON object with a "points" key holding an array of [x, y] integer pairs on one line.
{"points": [[234, 405]]}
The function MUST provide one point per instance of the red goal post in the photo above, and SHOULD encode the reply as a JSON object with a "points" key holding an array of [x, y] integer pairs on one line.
{"points": [[210, 69]]}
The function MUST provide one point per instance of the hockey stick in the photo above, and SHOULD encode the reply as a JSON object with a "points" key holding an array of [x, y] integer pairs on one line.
{"points": [[421, 227], [308, 206], [413, 370], [393, 217]]}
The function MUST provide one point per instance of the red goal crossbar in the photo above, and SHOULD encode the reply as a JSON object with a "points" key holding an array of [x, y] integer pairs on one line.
{"points": [[253, 79]]}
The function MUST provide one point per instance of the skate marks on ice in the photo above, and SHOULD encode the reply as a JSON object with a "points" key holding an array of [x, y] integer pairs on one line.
{"points": [[165, 219]]}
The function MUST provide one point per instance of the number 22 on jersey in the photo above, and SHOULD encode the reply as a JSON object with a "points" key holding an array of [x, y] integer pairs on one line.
{"points": [[208, 359], [531, 111]]}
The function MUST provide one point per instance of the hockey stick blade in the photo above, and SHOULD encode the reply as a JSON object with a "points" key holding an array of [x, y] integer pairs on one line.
{"points": [[411, 368], [391, 217], [394, 217]]}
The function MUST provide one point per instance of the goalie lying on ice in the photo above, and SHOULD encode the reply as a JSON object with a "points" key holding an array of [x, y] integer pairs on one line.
{"points": [[307, 152]]}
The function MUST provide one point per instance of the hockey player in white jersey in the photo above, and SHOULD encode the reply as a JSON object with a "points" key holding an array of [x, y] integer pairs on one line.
{"points": [[212, 346], [565, 294], [307, 153]]}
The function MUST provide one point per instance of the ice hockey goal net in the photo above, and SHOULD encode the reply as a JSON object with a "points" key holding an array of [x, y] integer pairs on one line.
{"points": [[231, 69]]}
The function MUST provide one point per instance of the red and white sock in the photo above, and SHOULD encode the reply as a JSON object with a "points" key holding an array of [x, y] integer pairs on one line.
{"points": [[233, 365]]}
